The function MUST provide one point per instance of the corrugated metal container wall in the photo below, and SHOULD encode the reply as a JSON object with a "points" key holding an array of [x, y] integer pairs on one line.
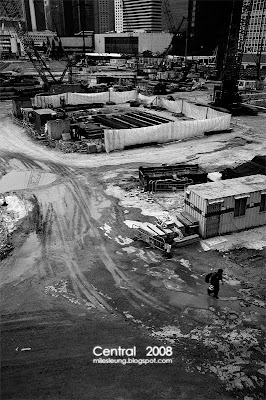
{"points": [[216, 216], [196, 206], [253, 217]]}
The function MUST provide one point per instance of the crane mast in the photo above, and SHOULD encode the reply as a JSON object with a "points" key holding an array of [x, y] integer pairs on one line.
{"points": [[240, 17], [13, 14]]}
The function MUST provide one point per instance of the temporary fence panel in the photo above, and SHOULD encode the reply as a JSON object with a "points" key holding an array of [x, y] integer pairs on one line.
{"points": [[148, 99], [177, 130], [48, 101], [86, 98], [214, 113], [172, 106], [82, 98], [193, 111], [123, 97]]}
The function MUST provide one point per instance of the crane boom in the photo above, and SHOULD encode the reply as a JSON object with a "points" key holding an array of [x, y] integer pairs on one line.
{"points": [[13, 14], [169, 15]]}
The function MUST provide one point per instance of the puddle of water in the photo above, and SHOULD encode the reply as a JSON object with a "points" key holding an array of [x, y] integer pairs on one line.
{"points": [[26, 258], [96, 208], [183, 300], [17, 180]]}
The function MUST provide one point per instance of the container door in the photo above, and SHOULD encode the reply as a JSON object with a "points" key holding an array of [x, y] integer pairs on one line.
{"points": [[213, 219]]}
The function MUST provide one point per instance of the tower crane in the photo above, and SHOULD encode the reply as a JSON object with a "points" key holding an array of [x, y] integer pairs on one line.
{"points": [[239, 23], [12, 12], [175, 32]]}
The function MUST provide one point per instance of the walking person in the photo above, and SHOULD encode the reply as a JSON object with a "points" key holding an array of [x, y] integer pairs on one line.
{"points": [[214, 283], [167, 248]]}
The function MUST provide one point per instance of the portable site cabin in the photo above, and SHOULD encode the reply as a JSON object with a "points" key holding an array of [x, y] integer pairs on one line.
{"points": [[41, 116], [227, 206]]}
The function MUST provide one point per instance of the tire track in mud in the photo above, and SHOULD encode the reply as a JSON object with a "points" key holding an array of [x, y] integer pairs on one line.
{"points": [[53, 224], [119, 277], [79, 283], [80, 224]]}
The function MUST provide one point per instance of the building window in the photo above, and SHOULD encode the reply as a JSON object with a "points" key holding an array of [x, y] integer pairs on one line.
{"points": [[240, 207], [263, 202]]}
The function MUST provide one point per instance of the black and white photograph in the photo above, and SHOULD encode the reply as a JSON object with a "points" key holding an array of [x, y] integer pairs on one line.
{"points": [[132, 199]]}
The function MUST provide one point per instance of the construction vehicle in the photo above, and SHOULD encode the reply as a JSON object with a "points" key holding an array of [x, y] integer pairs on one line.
{"points": [[227, 95], [11, 10]]}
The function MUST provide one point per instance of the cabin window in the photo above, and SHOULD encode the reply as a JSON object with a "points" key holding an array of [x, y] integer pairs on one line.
{"points": [[263, 202], [240, 207]]}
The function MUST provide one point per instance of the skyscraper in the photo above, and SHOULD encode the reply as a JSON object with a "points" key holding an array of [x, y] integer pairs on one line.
{"points": [[138, 15], [208, 24], [104, 16], [256, 35]]}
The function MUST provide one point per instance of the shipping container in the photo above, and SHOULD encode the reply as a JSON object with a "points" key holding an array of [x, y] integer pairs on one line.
{"points": [[41, 116], [17, 104], [227, 206], [55, 128]]}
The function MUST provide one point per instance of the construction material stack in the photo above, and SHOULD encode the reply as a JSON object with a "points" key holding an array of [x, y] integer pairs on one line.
{"points": [[167, 231], [171, 177]]}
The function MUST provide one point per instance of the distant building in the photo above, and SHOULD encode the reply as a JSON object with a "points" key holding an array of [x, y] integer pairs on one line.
{"points": [[104, 16], [208, 25], [133, 15], [118, 10], [256, 36], [68, 17], [132, 42]]}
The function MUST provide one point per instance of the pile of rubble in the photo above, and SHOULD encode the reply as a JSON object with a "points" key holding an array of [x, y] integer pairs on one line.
{"points": [[81, 146], [86, 146]]}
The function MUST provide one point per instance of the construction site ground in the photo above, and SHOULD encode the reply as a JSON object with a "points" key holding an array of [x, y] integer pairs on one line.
{"points": [[76, 278]]}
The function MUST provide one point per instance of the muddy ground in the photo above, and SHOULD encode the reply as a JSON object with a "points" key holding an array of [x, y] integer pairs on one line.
{"points": [[77, 278]]}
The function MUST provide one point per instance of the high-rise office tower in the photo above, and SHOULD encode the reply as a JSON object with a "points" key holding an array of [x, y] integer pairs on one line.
{"points": [[54, 16], [104, 16], [208, 25], [133, 15], [118, 8], [256, 35], [79, 16]]}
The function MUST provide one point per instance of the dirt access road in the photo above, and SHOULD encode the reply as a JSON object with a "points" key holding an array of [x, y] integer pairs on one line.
{"points": [[76, 280]]}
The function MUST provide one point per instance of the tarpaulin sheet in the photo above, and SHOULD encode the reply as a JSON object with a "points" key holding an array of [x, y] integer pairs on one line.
{"points": [[255, 166], [172, 106], [193, 111], [148, 99], [214, 113], [48, 101], [83, 98], [122, 97], [118, 139]]}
